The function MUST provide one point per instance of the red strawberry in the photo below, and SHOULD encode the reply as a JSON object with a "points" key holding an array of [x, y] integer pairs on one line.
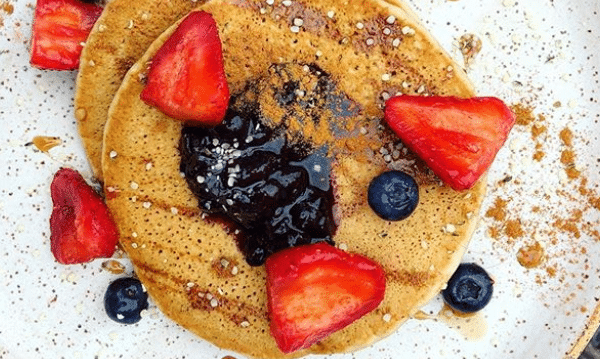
{"points": [[81, 227], [186, 79], [59, 28], [457, 138], [317, 289]]}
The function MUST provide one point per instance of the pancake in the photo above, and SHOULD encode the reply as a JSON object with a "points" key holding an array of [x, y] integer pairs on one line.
{"points": [[191, 264], [119, 37]]}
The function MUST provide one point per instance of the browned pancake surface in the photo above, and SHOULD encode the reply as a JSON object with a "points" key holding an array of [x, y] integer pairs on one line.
{"points": [[120, 36], [191, 265]]}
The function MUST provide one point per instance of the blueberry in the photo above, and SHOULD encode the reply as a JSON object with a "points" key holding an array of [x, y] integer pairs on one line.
{"points": [[469, 289], [393, 195], [124, 300]]}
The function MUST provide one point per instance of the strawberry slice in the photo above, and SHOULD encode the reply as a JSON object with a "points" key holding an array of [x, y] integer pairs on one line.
{"points": [[457, 138], [186, 79], [317, 289], [81, 227], [59, 29]]}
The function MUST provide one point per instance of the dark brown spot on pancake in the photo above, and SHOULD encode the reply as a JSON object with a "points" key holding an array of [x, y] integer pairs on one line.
{"points": [[123, 65], [409, 278]]}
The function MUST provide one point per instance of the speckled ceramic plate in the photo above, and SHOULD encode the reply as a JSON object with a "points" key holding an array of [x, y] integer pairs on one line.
{"points": [[543, 200]]}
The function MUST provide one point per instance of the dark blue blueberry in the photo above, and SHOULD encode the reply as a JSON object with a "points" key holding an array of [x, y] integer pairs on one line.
{"points": [[393, 195], [469, 289], [124, 300]]}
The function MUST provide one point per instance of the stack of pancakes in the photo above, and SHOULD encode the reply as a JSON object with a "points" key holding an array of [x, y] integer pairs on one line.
{"points": [[191, 265]]}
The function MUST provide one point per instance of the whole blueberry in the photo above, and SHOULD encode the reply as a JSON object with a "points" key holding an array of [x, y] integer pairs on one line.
{"points": [[124, 300], [469, 289], [393, 195]]}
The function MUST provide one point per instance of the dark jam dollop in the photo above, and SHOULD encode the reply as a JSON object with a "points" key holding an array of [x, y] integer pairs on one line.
{"points": [[276, 189]]}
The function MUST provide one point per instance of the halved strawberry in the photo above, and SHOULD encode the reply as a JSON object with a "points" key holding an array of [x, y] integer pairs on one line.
{"points": [[186, 79], [81, 227], [457, 138], [59, 29], [317, 289]]}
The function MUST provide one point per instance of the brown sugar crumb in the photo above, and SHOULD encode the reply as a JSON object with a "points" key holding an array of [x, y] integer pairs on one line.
{"points": [[498, 210], [524, 115], [513, 229], [7, 7], [531, 256], [567, 226], [469, 45], [551, 271], [566, 136], [537, 130], [494, 232], [539, 155]]}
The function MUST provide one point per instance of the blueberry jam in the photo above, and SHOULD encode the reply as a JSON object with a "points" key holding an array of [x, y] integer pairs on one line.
{"points": [[276, 189]]}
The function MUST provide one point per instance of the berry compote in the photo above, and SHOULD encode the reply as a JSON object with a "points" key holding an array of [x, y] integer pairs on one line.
{"points": [[274, 187]]}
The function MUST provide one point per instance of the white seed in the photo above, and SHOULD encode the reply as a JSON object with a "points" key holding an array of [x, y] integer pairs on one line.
{"points": [[408, 31], [317, 168], [298, 21], [147, 205], [174, 210], [244, 324], [190, 284], [330, 14], [134, 234], [385, 77], [391, 19], [287, 3], [270, 2], [387, 317], [200, 179], [295, 29], [113, 154], [214, 302], [370, 41], [234, 270], [387, 31], [319, 53], [148, 166], [134, 245], [396, 42], [360, 25], [134, 185], [449, 228]]}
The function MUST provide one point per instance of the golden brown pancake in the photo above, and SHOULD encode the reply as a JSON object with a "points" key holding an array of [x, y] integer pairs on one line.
{"points": [[191, 264], [120, 36]]}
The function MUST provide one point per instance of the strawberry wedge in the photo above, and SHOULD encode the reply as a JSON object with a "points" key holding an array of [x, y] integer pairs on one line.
{"points": [[81, 227], [186, 79], [60, 27], [317, 289], [457, 138]]}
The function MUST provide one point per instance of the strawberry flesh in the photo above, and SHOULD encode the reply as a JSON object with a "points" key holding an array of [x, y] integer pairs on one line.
{"points": [[317, 289], [457, 138], [81, 227], [59, 29], [186, 79]]}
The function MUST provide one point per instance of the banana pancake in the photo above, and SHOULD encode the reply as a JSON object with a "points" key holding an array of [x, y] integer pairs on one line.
{"points": [[364, 51]]}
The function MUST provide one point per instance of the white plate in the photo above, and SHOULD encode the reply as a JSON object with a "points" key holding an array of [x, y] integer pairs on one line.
{"points": [[543, 54]]}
